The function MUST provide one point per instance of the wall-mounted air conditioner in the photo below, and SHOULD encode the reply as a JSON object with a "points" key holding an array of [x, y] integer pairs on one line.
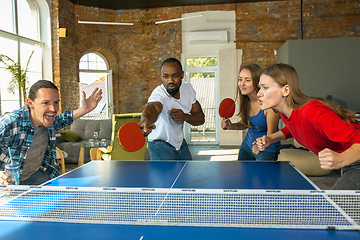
{"points": [[220, 36]]}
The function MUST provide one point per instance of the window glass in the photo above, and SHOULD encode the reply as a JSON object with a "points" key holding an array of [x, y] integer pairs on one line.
{"points": [[83, 65], [91, 57], [7, 16], [5, 94], [92, 61], [202, 62], [9, 101], [33, 77], [35, 61], [9, 48], [84, 62], [28, 19], [202, 75], [101, 65], [204, 86], [87, 78], [17, 42], [203, 79]]}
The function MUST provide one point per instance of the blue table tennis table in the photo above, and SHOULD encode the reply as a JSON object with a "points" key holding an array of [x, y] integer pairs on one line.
{"points": [[229, 175]]}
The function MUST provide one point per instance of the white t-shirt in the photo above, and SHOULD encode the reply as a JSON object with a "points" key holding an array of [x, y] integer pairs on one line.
{"points": [[167, 129]]}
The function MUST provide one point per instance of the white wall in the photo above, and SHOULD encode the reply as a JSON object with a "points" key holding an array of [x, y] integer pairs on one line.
{"points": [[229, 63], [326, 67], [229, 58], [212, 20]]}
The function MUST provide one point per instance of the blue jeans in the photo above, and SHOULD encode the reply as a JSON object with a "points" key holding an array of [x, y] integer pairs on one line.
{"points": [[246, 154], [36, 179], [161, 150]]}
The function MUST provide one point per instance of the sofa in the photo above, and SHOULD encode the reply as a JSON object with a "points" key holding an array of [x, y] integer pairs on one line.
{"points": [[304, 160], [81, 131]]}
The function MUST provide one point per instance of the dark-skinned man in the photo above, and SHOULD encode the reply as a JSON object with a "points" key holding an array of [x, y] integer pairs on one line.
{"points": [[169, 106]]}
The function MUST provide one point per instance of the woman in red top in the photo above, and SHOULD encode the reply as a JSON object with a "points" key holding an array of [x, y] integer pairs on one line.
{"points": [[318, 124]]}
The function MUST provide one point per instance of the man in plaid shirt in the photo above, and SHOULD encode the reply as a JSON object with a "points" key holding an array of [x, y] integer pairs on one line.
{"points": [[30, 132]]}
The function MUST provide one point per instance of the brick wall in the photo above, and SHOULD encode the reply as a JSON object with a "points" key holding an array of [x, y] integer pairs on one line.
{"points": [[136, 52]]}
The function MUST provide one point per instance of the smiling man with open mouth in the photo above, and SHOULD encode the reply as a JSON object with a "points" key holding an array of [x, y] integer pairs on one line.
{"points": [[28, 134]]}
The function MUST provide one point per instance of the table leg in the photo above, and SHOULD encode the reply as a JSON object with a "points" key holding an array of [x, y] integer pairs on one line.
{"points": [[81, 157]]}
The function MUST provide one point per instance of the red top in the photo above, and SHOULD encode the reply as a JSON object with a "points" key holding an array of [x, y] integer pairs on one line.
{"points": [[316, 127]]}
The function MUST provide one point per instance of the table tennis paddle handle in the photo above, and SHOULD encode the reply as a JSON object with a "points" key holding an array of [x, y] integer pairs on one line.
{"points": [[151, 127], [225, 118]]}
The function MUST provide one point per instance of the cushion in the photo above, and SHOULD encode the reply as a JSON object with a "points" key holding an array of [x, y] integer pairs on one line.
{"points": [[70, 136], [307, 162]]}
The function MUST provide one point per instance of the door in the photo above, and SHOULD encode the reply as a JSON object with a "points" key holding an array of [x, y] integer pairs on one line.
{"points": [[202, 73]]}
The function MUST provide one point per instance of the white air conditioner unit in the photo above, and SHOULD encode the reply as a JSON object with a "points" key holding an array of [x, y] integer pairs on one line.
{"points": [[221, 36]]}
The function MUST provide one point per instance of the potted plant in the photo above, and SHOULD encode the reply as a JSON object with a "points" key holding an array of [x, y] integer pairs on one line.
{"points": [[19, 76]]}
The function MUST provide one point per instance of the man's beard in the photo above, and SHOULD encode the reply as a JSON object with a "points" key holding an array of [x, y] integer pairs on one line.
{"points": [[174, 91]]}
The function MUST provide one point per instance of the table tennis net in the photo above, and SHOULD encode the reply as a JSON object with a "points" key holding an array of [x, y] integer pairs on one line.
{"points": [[196, 207]]}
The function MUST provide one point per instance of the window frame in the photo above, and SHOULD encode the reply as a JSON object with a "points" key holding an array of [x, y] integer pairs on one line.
{"points": [[43, 39]]}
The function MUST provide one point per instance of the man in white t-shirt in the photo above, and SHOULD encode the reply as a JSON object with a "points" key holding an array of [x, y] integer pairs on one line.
{"points": [[169, 106]]}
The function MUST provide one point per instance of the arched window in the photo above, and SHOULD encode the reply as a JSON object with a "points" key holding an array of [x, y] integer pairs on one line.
{"points": [[24, 27], [94, 73], [93, 62]]}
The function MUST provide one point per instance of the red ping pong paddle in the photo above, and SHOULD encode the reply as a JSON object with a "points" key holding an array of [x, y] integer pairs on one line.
{"points": [[131, 137], [227, 108]]}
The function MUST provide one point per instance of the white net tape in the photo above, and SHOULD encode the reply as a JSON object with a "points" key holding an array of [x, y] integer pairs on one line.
{"points": [[229, 208]]}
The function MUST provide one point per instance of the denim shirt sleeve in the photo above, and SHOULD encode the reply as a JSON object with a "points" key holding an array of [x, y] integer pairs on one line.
{"points": [[10, 125], [63, 120]]}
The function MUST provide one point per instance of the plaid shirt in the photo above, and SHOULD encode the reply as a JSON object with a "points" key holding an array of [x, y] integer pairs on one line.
{"points": [[17, 132]]}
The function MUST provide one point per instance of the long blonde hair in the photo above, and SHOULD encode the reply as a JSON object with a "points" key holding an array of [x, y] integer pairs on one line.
{"points": [[244, 100], [284, 74]]}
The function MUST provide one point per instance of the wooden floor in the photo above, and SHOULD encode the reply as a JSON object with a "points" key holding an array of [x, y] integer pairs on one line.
{"points": [[214, 153]]}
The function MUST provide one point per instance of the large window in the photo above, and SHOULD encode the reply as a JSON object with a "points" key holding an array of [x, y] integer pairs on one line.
{"points": [[20, 33], [94, 73]]}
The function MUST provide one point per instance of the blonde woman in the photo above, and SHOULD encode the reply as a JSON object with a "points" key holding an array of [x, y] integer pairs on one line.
{"points": [[318, 124]]}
